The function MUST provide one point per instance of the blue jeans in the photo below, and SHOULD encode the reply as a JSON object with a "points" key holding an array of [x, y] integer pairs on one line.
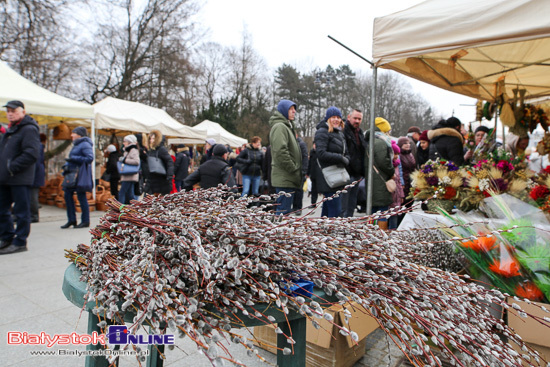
{"points": [[349, 200], [71, 209], [249, 181], [331, 208], [126, 192], [19, 196], [380, 209], [284, 204]]}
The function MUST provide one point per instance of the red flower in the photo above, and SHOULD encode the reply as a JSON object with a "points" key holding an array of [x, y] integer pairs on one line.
{"points": [[450, 193], [482, 244], [530, 291], [539, 192], [546, 170], [508, 268]]}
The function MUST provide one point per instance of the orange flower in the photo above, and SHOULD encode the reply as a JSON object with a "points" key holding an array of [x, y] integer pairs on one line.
{"points": [[508, 268], [482, 244], [530, 291], [450, 193]]}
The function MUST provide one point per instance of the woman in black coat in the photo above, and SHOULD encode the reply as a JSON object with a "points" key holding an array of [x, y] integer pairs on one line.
{"points": [[159, 183], [249, 162], [111, 169], [331, 150]]}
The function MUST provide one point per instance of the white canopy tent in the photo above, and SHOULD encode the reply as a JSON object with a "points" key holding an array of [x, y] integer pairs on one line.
{"points": [[117, 114], [467, 46], [216, 132], [45, 107]]}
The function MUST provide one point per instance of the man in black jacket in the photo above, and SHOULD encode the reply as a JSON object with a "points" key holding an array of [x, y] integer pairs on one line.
{"points": [[356, 144], [19, 151], [181, 166], [446, 141], [212, 172]]}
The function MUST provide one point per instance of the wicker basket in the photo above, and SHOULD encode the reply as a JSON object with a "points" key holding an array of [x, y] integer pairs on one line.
{"points": [[446, 205]]}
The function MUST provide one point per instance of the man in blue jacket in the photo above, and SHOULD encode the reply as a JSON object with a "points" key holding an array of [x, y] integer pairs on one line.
{"points": [[19, 151]]}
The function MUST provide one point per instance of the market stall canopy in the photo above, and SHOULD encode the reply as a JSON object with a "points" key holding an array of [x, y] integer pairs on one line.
{"points": [[44, 106], [215, 131], [126, 116], [467, 46]]}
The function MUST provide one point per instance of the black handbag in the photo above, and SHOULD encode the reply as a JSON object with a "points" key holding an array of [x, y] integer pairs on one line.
{"points": [[70, 178], [156, 165]]}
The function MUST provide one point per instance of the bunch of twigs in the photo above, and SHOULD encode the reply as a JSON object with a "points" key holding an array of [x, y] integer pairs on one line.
{"points": [[201, 261]]}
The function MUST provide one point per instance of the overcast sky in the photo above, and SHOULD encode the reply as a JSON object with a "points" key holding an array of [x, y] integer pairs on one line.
{"points": [[295, 32]]}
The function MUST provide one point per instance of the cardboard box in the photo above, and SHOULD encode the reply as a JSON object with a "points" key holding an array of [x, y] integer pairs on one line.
{"points": [[326, 346], [543, 351], [531, 331]]}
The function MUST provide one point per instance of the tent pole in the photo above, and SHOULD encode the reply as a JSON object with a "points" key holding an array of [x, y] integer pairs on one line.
{"points": [[371, 141], [93, 162]]}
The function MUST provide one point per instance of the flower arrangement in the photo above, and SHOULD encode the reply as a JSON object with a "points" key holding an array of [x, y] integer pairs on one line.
{"points": [[532, 116], [497, 174], [439, 178], [543, 146], [514, 255], [540, 192]]}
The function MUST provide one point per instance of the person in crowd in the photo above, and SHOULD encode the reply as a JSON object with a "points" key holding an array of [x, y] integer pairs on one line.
{"points": [[312, 168], [80, 158], [266, 172], [399, 194], [447, 142], [286, 162], [111, 168], [212, 172], [143, 146], [127, 182], [423, 151], [413, 133], [19, 151], [181, 167], [39, 181], [207, 150], [355, 143], [299, 195], [330, 145], [516, 145], [249, 162], [160, 180], [408, 163], [383, 168]]}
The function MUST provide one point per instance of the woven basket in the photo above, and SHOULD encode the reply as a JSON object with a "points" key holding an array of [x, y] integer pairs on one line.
{"points": [[446, 205]]}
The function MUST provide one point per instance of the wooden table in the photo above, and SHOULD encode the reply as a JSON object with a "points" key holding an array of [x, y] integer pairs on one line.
{"points": [[75, 290]]}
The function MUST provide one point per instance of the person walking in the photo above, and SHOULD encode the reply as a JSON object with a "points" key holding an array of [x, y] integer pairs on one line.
{"points": [[355, 142], [39, 181], [130, 156], [79, 162], [160, 164], [213, 172], [330, 145], [111, 169], [249, 163], [383, 169], [286, 161], [181, 166], [19, 151]]}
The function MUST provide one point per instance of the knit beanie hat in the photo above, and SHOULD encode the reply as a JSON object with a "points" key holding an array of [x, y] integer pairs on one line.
{"points": [[424, 136], [131, 139], [111, 148], [414, 129], [219, 150], [382, 124], [80, 131], [332, 111], [402, 141], [485, 129], [211, 141], [453, 122], [395, 147], [284, 105]]}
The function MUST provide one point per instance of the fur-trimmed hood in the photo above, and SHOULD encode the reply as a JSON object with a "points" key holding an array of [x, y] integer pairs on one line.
{"points": [[158, 139], [445, 131]]}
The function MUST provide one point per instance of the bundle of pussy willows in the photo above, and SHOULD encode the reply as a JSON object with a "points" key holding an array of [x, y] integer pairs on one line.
{"points": [[200, 263]]}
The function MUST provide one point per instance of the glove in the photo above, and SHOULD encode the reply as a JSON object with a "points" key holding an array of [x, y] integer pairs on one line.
{"points": [[345, 161]]}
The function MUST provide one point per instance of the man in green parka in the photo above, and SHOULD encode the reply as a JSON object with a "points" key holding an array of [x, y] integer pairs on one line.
{"points": [[286, 161]]}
